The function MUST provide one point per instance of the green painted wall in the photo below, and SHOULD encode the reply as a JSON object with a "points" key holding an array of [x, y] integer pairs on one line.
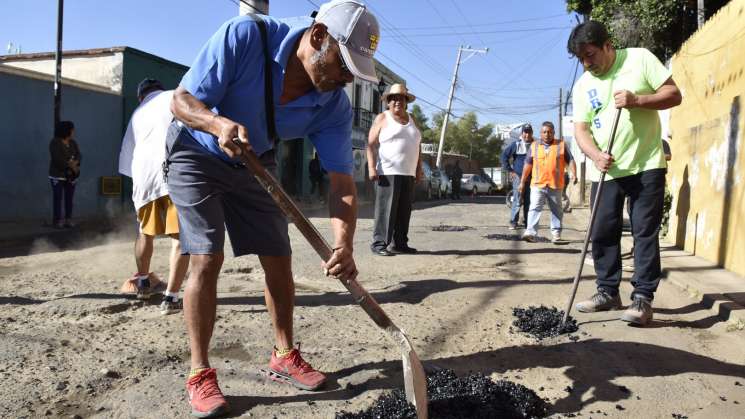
{"points": [[136, 66]]}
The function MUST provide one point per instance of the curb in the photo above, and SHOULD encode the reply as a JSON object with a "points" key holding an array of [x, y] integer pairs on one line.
{"points": [[728, 306]]}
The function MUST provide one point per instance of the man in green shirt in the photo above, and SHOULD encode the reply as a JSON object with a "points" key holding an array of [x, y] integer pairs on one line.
{"points": [[635, 80]]}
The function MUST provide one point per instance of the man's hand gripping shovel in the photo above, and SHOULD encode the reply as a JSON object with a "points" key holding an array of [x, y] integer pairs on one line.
{"points": [[415, 381]]}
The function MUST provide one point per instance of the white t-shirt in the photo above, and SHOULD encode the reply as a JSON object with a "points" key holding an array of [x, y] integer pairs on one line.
{"points": [[398, 153], [144, 147]]}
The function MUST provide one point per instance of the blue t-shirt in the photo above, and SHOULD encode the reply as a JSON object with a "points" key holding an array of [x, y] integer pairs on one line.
{"points": [[228, 76]]}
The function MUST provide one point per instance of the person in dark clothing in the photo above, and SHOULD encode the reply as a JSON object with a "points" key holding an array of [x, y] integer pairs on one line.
{"points": [[455, 177], [316, 177], [64, 169], [513, 159]]}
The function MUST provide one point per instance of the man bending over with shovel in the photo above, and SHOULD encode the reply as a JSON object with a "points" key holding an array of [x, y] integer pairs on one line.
{"points": [[306, 63], [635, 80]]}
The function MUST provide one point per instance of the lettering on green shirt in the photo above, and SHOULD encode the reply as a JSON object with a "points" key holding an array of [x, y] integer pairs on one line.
{"points": [[637, 147]]}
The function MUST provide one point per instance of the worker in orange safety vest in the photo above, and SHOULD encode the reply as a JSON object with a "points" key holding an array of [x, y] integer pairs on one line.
{"points": [[546, 163]]}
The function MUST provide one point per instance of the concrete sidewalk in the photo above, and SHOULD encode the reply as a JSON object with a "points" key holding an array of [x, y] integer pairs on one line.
{"points": [[717, 289]]}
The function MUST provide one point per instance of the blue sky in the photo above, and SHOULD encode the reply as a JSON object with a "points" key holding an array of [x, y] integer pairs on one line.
{"points": [[518, 80]]}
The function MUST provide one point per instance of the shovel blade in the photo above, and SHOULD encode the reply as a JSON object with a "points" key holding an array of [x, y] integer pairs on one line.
{"points": [[415, 380]]}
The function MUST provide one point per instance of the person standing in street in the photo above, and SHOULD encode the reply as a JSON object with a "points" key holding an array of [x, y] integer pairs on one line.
{"points": [[633, 80], [315, 172], [513, 159], [545, 164], [455, 180], [260, 79], [64, 170], [141, 158], [394, 163]]}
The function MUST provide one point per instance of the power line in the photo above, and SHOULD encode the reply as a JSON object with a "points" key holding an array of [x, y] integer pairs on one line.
{"points": [[551, 28], [414, 28], [404, 41]]}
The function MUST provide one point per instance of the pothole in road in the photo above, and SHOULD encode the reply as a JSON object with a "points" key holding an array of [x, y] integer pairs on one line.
{"points": [[442, 227], [543, 322], [245, 270], [451, 397], [514, 238]]}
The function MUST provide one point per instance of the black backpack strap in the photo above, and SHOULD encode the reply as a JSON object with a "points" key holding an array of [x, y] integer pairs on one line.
{"points": [[268, 87]]}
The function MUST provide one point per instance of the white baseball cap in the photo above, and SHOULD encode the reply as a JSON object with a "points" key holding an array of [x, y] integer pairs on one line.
{"points": [[357, 32]]}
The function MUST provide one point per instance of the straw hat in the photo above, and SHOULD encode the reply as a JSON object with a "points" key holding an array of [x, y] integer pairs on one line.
{"points": [[398, 89]]}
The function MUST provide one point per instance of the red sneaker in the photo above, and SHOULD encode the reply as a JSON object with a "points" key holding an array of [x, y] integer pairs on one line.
{"points": [[205, 396], [294, 370]]}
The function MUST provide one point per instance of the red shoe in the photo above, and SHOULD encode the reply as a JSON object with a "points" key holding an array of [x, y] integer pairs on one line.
{"points": [[205, 396], [294, 370]]}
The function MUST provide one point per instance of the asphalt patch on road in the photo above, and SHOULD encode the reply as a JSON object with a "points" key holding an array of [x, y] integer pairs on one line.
{"points": [[451, 228], [543, 322], [515, 238], [452, 397]]}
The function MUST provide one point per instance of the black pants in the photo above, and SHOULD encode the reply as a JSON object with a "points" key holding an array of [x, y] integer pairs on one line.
{"points": [[60, 188], [455, 189], [393, 198], [316, 183], [646, 192]]}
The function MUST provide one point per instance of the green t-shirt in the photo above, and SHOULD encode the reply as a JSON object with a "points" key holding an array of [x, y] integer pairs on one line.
{"points": [[637, 147]]}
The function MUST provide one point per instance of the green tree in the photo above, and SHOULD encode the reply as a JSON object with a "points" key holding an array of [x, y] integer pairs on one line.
{"points": [[428, 136], [465, 136], [661, 26]]}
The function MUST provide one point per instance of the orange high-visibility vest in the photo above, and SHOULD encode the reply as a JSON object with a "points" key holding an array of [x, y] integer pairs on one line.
{"points": [[548, 165]]}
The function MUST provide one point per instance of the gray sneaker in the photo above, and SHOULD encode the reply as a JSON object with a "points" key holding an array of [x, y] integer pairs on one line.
{"points": [[639, 312], [168, 306], [600, 302], [529, 237]]}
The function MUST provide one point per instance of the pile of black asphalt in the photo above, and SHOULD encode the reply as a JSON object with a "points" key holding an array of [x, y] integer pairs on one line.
{"points": [[543, 322], [452, 397]]}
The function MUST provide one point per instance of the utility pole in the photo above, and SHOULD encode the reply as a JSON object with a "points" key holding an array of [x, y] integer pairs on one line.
{"points": [[561, 122], [461, 49], [58, 64], [701, 13], [253, 6]]}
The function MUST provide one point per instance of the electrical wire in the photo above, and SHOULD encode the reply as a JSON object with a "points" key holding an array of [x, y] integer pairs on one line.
{"points": [[413, 28]]}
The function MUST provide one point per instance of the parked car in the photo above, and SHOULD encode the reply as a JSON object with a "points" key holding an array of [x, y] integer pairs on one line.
{"points": [[429, 187], [476, 184], [498, 176], [446, 188]]}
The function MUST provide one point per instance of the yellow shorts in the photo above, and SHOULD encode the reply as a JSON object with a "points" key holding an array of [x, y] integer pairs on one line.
{"points": [[158, 217]]}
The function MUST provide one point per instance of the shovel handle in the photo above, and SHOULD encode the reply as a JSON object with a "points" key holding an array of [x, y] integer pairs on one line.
{"points": [[309, 231], [591, 223]]}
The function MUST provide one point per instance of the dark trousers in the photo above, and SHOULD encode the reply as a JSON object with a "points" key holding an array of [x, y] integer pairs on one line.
{"points": [[316, 183], [646, 192], [455, 189], [515, 210], [61, 188], [393, 198]]}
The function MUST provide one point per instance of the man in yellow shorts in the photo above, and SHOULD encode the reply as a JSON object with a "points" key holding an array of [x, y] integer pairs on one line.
{"points": [[141, 158]]}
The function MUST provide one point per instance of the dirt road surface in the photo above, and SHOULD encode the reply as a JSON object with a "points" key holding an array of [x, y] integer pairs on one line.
{"points": [[71, 345]]}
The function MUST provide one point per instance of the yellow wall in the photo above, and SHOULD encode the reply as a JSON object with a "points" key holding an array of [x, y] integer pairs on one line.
{"points": [[707, 173]]}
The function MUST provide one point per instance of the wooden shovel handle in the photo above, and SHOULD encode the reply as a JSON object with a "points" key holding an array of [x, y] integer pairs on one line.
{"points": [[309, 231]]}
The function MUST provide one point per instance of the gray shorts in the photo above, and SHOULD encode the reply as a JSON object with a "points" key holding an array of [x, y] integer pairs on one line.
{"points": [[212, 195]]}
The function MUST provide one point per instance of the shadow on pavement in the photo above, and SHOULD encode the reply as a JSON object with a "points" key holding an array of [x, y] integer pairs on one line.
{"points": [[592, 365], [489, 252], [409, 292]]}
